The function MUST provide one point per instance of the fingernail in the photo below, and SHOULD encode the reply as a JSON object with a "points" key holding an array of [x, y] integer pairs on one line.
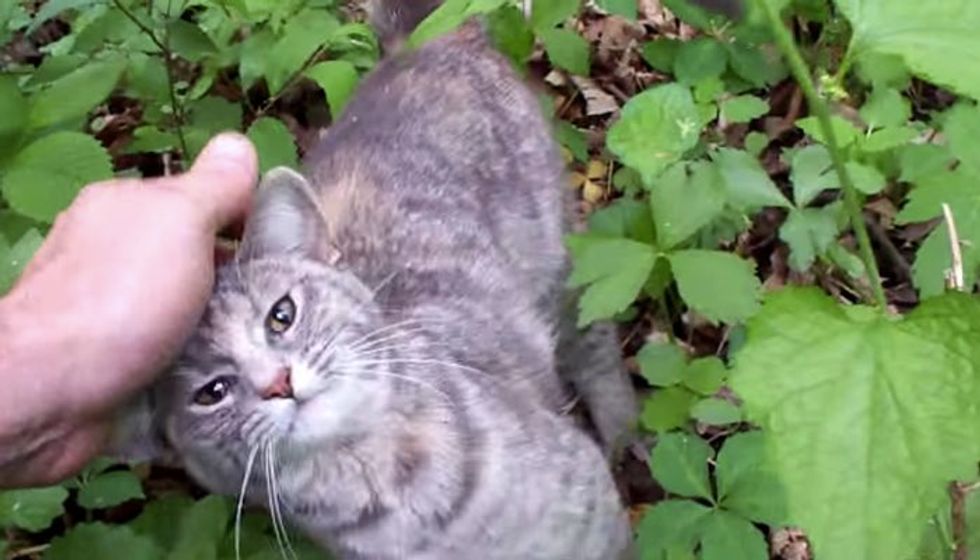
{"points": [[229, 144]]}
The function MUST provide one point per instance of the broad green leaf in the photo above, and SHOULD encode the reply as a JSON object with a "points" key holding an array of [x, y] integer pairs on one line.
{"points": [[942, 45], [567, 49], [961, 124], [52, 8], [809, 233], [160, 519], [447, 17], [923, 161], [934, 262], [680, 464], [255, 61], [13, 226], [546, 14], [623, 218], [667, 409], [746, 182], [302, 36], [33, 509], [655, 130], [614, 270], [888, 138], [866, 179], [274, 143], [754, 64], [661, 364], [682, 204], [97, 540], [882, 70], [40, 186], [745, 485], [74, 95], [845, 133], [202, 528], [699, 59], [698, 273], [670, 524], [716, 412], [13, 107], [811, 173], [830, 392], [338, 79], [573, 139], [743, 108], [511, 34], [705, 376], [625, 8], [726, 536], [886, 107], [152, 139], [110, 489], [189, 41], [14, 258], [661, 53]]}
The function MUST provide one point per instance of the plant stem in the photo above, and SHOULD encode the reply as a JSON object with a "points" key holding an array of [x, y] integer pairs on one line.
{"points": [[819, 108]]}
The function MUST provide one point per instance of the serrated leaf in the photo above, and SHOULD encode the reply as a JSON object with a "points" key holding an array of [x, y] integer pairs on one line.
{"points": [[255, 56], [40, 186], [682, 204], [866, 179], [886, 107], [32, 509], [705, 376], [274, 143], [697, 273], [716, 412], [189, 41], [961, 124], [845, 133], [699, 59], [680, 464], [546, 14], [888, 138], [726, 536], [567, 49], [812, 173], [614, 271], [655, 130], [743, 108], [661, 53], [623, 218], [151, 139], [942, 45], [671, 524], [661, 364], [667, 409], [301, 38], [338, 79], [74, 95], [921, 161], [746, 182], [97, 540], [808, 232], [745, 484], [110, 489], [830, 391]]}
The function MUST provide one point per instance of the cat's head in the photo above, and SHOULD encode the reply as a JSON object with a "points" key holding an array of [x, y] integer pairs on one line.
{"points": [[289, 349]]}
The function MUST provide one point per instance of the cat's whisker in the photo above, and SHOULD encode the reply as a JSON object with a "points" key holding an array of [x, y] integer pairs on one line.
{"points": [[398, 325], [267, 467], [370, 344], [277, 501], [424, 384], [241, 500], [419, 361]]}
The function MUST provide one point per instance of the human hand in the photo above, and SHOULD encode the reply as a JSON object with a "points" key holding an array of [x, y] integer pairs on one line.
{"points": [[112, 294]]}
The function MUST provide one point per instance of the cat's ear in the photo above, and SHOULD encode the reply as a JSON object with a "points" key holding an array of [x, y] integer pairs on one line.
{"points": [[137, 434], [285, 218]]}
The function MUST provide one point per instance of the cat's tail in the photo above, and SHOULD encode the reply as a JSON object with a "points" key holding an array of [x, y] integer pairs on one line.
{"points": [[394, 20]]}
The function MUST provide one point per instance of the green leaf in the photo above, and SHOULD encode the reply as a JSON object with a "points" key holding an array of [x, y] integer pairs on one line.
{"points": [[574, 139], [697, 272], [746, 182], [274, 143], [161, 519], [567, 49], [202, 528], [661, 53], [614, 271], [13, 107], [705, 376], [743, 108], [97, 540], [728, 537], [255, 58], [189, 41], [338, 79], [671, 524], [699, 59], [52, 8], [74, 95], [886, 107], [625, 8], [923, 161], [942, 45], [32, 509], [716, 412], [301, 38], [623, 218], [661, 364], [546, 14], [13, 259], [680, 464], [447, 17], [872, 414], [667, 409], [40, 186], [152, 139], [845, 132], [812, 173], [511, 34], [755, 65], [962, 128], [866, 179], [655, 130], [682, 204], [110, 489], [888, 138], [809, 233], [745, 484]]}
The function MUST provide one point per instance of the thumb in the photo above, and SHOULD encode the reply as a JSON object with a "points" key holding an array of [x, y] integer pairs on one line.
{"points": [[223, 178]]}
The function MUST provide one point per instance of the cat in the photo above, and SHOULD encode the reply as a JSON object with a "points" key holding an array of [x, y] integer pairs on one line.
{"points": [[381, 360]]}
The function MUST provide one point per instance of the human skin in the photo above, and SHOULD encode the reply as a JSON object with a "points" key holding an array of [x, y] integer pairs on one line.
{"points": [[112, 294]]}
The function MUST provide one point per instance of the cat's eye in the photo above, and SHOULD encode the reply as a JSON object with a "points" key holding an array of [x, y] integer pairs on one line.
{"points": [[214, 392], [281, 316]]}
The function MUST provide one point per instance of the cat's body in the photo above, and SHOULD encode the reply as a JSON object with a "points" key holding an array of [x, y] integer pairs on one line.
{"points": [[402, 391]]}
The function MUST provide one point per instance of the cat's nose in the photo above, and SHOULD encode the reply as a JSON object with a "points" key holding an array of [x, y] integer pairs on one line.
{"points": [[280, 388]]}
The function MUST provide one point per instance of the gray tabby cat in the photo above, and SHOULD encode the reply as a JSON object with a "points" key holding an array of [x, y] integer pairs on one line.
{"points": [[380, 358]]}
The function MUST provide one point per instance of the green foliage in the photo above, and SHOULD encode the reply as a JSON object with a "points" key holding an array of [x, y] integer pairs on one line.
{"points": [[33, 509]]}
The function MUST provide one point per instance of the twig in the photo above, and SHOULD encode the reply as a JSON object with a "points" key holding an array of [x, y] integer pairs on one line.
{"points": [[891, 251], [28, 551], [290, 81], [954, 276], [801, 73], [957, 495]]}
